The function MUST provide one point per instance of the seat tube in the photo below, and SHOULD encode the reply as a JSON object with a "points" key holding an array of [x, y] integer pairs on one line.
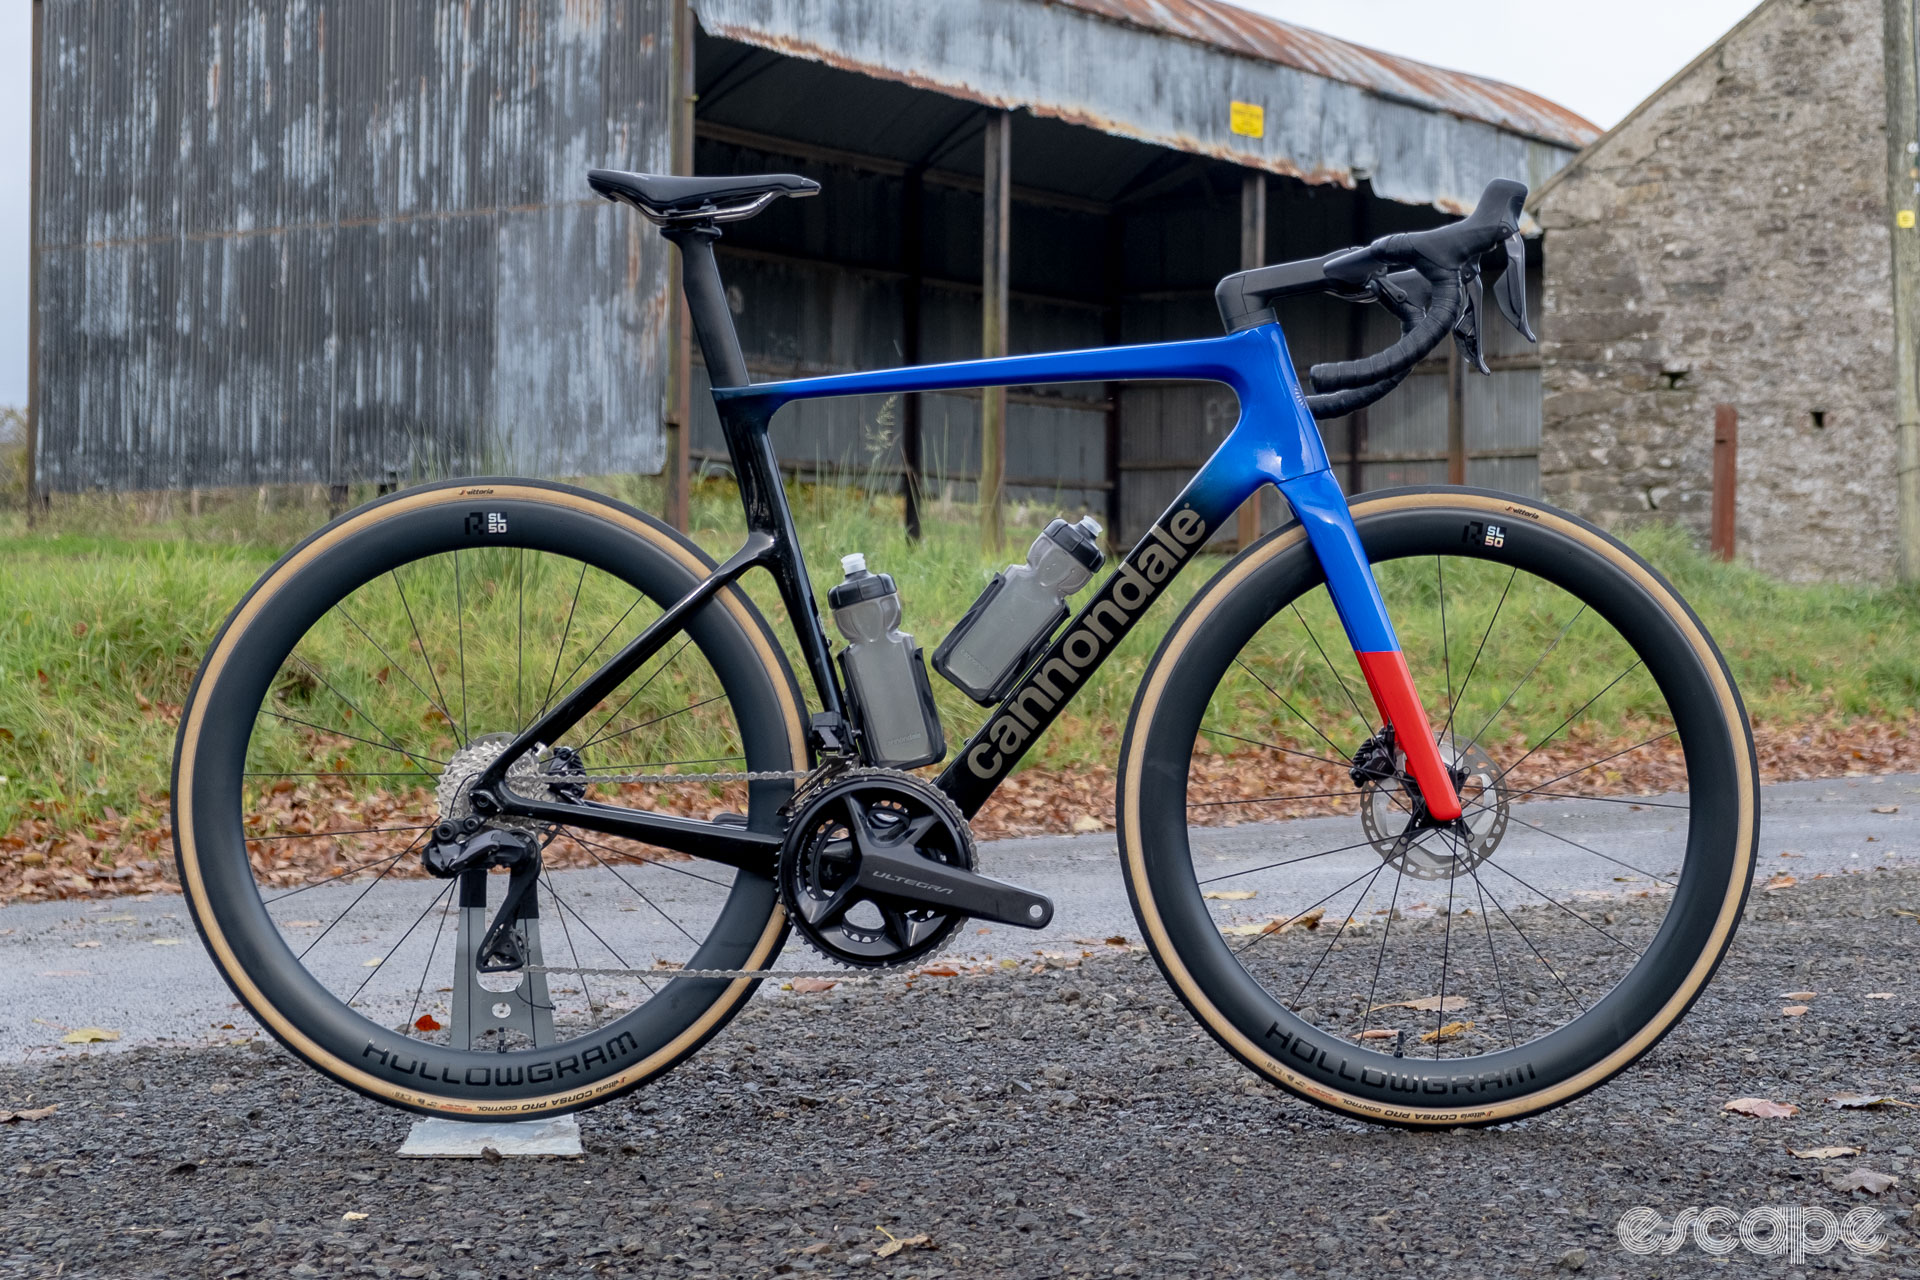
{"points": [[1322, 510]]}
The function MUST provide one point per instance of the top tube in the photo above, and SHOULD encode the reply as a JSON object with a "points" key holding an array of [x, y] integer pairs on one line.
{"points": [[1283, 442]]}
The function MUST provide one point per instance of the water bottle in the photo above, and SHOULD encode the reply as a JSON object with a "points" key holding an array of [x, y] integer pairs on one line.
{"points": [[1012, 621], [886, 677]]}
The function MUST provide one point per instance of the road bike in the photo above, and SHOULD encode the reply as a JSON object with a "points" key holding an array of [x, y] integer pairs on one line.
{"points": [[1523, 812]]}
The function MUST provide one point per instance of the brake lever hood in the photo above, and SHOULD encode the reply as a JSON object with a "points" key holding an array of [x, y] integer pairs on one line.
{"points": [[1510, 291]]}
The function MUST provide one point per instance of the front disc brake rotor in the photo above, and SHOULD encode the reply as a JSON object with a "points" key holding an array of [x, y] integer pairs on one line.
{"points": [[1388, 806]]}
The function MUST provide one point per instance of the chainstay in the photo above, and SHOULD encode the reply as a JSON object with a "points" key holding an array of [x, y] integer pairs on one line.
{"points": [[835, 975], [669, 779]]}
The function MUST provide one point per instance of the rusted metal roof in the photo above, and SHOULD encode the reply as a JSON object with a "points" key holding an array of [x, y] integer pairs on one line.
{"points": [[1254, 35], [1168, 72]]}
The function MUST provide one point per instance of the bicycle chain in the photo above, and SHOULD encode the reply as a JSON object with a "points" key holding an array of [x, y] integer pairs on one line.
{"points": [[843, 974]]}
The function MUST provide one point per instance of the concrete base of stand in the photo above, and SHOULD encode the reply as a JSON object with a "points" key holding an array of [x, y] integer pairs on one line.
{"points": [[435, 1138]]}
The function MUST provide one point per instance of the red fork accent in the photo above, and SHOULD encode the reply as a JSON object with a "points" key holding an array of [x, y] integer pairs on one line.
{"points": [[1391, 684]]}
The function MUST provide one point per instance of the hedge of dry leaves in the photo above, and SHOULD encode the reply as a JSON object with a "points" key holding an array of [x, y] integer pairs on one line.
{"points": [[295, 829]]}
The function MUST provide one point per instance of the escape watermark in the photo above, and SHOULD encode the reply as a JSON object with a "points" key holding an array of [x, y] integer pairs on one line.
{"points": [[1771, 1231]]}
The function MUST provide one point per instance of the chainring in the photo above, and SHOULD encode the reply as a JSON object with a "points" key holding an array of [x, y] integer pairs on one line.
{"points": [[820, 860]]}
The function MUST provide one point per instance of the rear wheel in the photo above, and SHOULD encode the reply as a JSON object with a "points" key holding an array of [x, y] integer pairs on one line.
{"points": [[350, 702], [1398, 971]]}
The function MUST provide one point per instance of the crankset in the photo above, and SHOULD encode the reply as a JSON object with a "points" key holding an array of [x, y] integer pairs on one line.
{"points": [[878, 871]]}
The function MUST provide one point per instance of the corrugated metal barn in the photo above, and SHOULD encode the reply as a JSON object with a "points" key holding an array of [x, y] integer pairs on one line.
{"points": [[334, 241]]}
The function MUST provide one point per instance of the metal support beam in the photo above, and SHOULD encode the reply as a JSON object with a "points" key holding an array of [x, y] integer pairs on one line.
{"points": [[1726, 475], [1253, 253], [1903, 198], [1113, 330], [913, 258], [34, 497], [679, 415], [993, 320]]}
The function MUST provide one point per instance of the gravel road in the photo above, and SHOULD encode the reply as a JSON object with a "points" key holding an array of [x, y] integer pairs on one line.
{"points": [[135, 965], [1062, 1121]]}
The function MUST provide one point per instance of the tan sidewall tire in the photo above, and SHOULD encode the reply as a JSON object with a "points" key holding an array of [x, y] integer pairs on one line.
{"points": [[207, 916], [1136, 859]]}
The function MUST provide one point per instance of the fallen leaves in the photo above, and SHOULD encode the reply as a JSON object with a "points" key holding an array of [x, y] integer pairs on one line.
{"points": [[89, 1035], [895, 1243], [1798, 996], [1227, 895], [1861, 1101], [1452, 1031], [812, 986], [1823, 1153], [1086, 823], [1780, 881], [31, 1113], [351, 1216], [1879, 995], [1764, 1108], [1278, 924], [940, 971], [426, 1022], [1426, 1004], [1795, 1011], [1886, 808], [1867, 1180]]}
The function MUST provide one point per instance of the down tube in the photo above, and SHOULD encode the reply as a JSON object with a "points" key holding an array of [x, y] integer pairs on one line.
{"points": [[1208, 501]]}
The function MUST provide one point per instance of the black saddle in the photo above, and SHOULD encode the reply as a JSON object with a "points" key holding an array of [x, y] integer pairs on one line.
{"points": [[664, 198]]}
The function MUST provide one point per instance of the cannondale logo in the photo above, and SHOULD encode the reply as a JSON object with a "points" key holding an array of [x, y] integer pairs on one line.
{"points": [[1771, 1231]]}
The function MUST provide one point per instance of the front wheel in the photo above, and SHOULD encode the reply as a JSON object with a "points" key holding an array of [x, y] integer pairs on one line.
{"points": [[1398, 971]]}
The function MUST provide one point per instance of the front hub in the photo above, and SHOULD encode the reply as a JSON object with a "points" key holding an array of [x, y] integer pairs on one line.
{"points": [[1394, 814]]}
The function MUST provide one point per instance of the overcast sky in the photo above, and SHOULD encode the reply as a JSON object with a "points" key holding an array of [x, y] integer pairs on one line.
{"points": [[1599, 59]]}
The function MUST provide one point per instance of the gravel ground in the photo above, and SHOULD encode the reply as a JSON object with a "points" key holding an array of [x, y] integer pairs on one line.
{"points": [[1069, 1121]]}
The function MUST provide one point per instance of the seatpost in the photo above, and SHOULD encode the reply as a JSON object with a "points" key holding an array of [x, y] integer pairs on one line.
{"points": [[707, 303]]}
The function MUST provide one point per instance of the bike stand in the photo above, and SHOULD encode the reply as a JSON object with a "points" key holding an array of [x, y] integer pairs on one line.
{"points": [[525, 1009]]}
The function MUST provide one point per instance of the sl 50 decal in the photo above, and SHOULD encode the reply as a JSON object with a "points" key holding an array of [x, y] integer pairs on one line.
{"points": [[486, 522], [1486, 535]]}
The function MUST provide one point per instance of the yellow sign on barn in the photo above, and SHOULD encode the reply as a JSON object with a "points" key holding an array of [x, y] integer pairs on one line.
{"points": [[1248, 119]]}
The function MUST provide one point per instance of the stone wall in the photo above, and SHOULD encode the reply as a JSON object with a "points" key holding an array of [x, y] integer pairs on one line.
{"points": [[1728, 244]]}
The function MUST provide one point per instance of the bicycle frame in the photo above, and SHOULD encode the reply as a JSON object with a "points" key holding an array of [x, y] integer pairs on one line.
{"points": [[1274, 440]]}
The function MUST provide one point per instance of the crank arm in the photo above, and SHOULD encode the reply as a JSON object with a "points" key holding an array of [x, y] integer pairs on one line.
{"points": [[907, 877]]}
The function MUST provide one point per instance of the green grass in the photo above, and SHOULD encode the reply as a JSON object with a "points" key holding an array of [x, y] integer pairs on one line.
{"points": [[109, 608]]}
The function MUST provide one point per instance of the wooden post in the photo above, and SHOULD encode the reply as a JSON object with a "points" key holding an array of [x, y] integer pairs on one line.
{"points": [[1903, 192], [1253, 253], [1456, 414], [913, 256], [679, 416], [993, 321], [34, 498], [1113, 291], [1726, 457]]}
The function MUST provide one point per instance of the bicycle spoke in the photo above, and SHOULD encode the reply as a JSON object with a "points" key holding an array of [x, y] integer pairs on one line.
{"points": [[1345, 848], [1288, 705], [375, 970], [338, 875], [567, 907], [646, 862], [342, 733], [1304, 755], [1586, 849], [420, 640], [1544, 962], [426, 970], [1366, 724], [1564, 907], [1380, 958], [1631, 668], [358, 898], [566, 932], [1446, 955], [1473, 666], [668, 716], [1258, 938], [401, 666], [664, 764], [633, 890], [1446, 655], [1310, 795], [1474, 741], [1493, 954], [647, 683], [460, 636], [558, 653], [353, 706], [1626, 800], [346, 831], [1337, 934], [1659, 737]]}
